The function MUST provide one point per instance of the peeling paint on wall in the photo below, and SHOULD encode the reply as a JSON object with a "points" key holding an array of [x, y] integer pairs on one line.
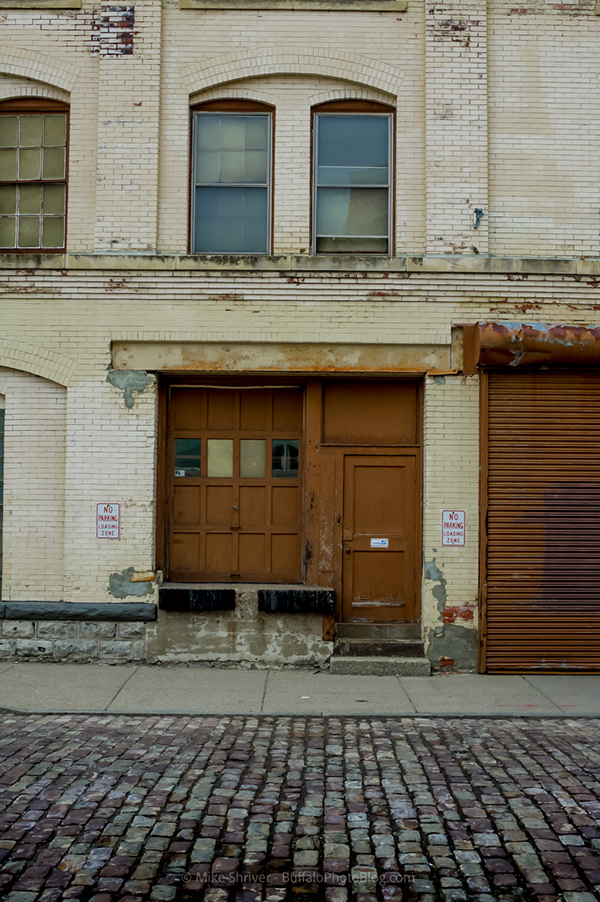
{"points": [[432, 571], [130, 381], [120, 585]]}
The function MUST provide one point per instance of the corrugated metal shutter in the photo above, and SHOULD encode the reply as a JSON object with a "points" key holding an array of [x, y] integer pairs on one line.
{"points": [[543, 527]]}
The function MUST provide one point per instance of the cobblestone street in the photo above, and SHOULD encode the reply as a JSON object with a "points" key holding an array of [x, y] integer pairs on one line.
{"points": [[239, 808]]}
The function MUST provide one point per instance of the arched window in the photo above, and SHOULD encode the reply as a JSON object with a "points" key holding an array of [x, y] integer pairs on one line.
{"points": [[33, 174], [352, 178], [231, 178]]}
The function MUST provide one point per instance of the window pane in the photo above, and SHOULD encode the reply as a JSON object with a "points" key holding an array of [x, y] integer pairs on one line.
{"points": [[252, 457], [187, 456], [231, 220], [256, 166], [54, 162], [353, 141], [8, 131], [352, 211], [209, 133], [352, 246], [346, 175], [29, 231], [232, 166], [7, 231], [220, 457], [54, 199], [29, 163], [232, 132], [53, 231], [8, 199], [8, 164], [31, 131], [207, 166], [30, 199], [55, 130], [285, 458]]}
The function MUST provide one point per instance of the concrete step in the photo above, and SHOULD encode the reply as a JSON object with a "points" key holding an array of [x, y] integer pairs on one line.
{"points": [[379, 666], [386, 648], [378, 631]]}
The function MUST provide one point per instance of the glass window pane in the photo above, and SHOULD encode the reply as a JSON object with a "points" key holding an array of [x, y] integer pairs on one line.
{"points": [[7, 231], [8, 164], [208, 134], [231, 220], [207, 166], [29, 163], [353, 141], [344, 245], [55, 129], [54, 199], [30, 199], [346, 175], [54, 162], [256, 166], [232, 132], [187, 456], [8, 131], [252, 457], [257, 132], [352, 211], [232, 166], [30, 134], [219, 457], [8, 199], [53, 231], [29, 231], [285, 458]]}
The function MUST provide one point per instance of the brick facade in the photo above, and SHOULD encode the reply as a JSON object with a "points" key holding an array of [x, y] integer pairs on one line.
{"points": [[496, 110]]}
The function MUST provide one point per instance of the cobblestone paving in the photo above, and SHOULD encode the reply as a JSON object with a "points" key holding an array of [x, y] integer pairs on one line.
{"points": [[242, 809]]}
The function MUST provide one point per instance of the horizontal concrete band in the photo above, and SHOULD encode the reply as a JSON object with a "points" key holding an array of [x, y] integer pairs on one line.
{"points": [[65, 610]]}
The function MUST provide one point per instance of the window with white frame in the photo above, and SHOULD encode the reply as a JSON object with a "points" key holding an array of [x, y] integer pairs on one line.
{"points": [[231, 178], [352, 196]]}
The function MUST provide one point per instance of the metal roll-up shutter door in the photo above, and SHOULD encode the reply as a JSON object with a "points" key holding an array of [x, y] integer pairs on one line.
{"points": [[543, 522]]}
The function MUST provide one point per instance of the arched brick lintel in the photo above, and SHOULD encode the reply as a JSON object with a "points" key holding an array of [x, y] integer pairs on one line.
{"points": [[28, 358], [354, 68]]}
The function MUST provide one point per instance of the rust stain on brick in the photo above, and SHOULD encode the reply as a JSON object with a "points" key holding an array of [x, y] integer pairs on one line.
{"points": [[465, 611]]}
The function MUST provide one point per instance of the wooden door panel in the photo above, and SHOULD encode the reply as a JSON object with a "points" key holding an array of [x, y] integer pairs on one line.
{"points": [[379, 538], [285, 550], [219, 505], [186, 554], [186, 505], [253, 505], [285, 505], [219, 552], [252, 553]]}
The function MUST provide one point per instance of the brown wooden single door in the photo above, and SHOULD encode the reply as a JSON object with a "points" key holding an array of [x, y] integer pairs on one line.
{"points": [[379, 529]]}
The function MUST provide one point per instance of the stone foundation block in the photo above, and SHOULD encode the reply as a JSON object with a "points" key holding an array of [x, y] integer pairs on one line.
{"points": [[34, 648], [22, 629], [76, 650], [132, 630], [115, 652], [56, 629], [7, 648], [97, 630]]}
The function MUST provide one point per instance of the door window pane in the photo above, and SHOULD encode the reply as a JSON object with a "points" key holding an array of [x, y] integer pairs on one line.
{"points": [[187, 456], [252, 458], [220, 457], [285, 458]]}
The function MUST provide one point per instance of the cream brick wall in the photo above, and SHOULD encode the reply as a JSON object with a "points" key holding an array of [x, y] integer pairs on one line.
{"points": [[450, 482], [34, 487]]}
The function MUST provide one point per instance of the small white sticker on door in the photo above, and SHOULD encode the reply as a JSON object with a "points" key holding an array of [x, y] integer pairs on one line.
{"points": [[380, 543]]}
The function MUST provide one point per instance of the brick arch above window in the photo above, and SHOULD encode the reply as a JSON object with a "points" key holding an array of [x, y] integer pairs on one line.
{"points": [[353, 68], [41, 68]]}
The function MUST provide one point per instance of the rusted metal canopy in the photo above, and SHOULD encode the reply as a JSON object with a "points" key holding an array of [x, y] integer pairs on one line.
{"points": [[519, 345]]}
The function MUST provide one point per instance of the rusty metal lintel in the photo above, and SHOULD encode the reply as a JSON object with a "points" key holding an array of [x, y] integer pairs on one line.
{"points": [[519, 345]]}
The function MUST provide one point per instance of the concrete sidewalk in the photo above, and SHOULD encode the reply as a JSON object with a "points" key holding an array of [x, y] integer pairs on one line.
{"points": [[91, 688]]}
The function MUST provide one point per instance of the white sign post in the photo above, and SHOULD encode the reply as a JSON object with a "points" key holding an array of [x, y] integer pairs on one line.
{"points": [[453, 528], [108, 521]]}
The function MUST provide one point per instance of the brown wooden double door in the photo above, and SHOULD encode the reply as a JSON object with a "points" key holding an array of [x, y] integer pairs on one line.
{"points": [[234, 486]]}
